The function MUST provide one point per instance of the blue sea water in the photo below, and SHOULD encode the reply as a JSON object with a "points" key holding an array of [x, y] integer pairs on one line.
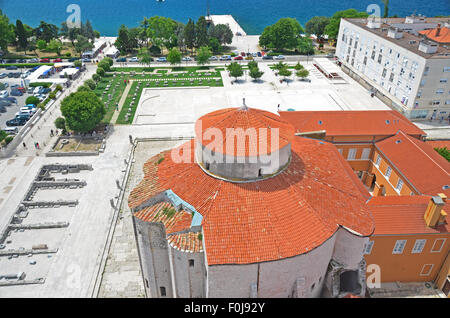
{"points": [[253, 15]]}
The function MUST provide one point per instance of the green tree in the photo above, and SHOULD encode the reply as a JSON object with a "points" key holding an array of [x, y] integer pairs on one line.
{"points": [[32, 100], [305, 46], [285, 72], [90, 83], [6, 32], [189, 34], [109, 60], [46, 31], [201, 32], [215, 45], [77, 63], [235, 70], [203, 55], [252, 64], [41, 44], [279, 66], [55, 46], [22, 37], [161, 31], [144, 56], [84, 88], [96, 78], [255, 73], [174, 56], [100, 71], [123, 42], [281, 35], [69, 33], [332, 29], [298, 66], [316, 25], [386, 8], [303, 73], [222, 33], [82, 44], [88, 31], [104, 65], [60, 123], [82, 111]]}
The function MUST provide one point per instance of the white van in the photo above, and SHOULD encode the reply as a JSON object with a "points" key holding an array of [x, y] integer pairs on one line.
{"points": [[11, 130]]}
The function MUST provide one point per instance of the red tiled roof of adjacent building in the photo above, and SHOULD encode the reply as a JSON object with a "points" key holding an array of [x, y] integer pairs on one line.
{"points": [[424, 168], [442, 37], [242, 120], [439, 143], [279, 217], [352, 123], [189, 241], [403, 215]]}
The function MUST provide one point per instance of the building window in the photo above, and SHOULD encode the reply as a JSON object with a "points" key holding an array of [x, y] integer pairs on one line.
{"points": [[373, 55], [351, 154], [399, 247], [365, 60], [399, 185], [365, 154], [443, 80], [191, 263], [162, 290], [312, 286], [418, 246], [377, 163], [388, 172], [446, 69], [426, 269], [391, 77], [440, 91], [438, 245], [368, 247]]}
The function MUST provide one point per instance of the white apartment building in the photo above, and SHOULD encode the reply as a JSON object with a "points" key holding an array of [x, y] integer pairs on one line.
{"points": [[408, 70]]}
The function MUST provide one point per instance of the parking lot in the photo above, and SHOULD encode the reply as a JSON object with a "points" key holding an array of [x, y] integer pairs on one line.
{"points": [[13, 108]]}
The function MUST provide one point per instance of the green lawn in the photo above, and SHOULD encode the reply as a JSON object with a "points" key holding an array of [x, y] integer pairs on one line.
{"points": [[113, 81]]}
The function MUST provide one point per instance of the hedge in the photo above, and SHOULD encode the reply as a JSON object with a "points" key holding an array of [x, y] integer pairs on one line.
{"points": [[47, 85]]}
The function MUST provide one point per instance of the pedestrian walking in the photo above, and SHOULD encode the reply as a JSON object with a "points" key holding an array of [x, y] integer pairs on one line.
{"points": [[51, 133], [25, 146]]}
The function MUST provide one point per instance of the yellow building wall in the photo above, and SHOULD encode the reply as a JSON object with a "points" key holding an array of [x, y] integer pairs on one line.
{"points": [[406, 267]]}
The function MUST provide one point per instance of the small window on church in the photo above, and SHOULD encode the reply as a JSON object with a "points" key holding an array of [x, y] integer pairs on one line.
{"points": [[312, 286], [260, 173], [207, 166], [163, 291], [191, 263]]}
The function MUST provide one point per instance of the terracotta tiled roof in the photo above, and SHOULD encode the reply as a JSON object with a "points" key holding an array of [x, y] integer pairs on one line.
{"points": [[439, 143], [403, 215], [189, 242], [280, 217], [241, 120], [351, 123], [161, 213], [428, 171], [443, 37]]}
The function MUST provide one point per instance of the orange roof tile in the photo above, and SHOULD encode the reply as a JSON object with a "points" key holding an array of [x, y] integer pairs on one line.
{"points": [[439, 143], [428, 171], [352, 123], [188, 241], [271, 219], [241, 120], [181, 220], [443, 37], [403, 215]]}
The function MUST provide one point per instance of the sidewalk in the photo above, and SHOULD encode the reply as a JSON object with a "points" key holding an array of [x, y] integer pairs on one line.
{"points": [[122, 101]]}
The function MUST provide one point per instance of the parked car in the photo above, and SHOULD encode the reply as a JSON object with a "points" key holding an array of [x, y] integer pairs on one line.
{"points": [[225, 58], [238, 58], [254, 55], [22, 61], [11, 67], [3, 109], [38, 90], [11, 61], [46, 90], [259, 54], [16, 92], [161, 59], [5, 103], [6, 85], [16, 122], [86, 60], [243, 54], [73, 59], [279, 57], [30, 90], [41, 97], [33, 60], [12, 99], [267, 57], [25, 75], [213, 58], [304, 80], [29, 106], [44, 61], [11, 130], [134, 59], [3, 75], [23, 116], [57, 60], [4, 94], [121, 60], [186, 59]]}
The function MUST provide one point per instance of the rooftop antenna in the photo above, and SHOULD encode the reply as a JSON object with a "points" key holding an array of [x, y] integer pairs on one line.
{"points": [[244, 106]]}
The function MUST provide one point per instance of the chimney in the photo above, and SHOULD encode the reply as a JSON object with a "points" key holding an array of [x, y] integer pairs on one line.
{"points": [[438, 30], [434, 215]]}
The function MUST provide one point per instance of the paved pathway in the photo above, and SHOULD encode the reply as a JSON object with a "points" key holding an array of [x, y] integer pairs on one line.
{"points": [[122, 101]]}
